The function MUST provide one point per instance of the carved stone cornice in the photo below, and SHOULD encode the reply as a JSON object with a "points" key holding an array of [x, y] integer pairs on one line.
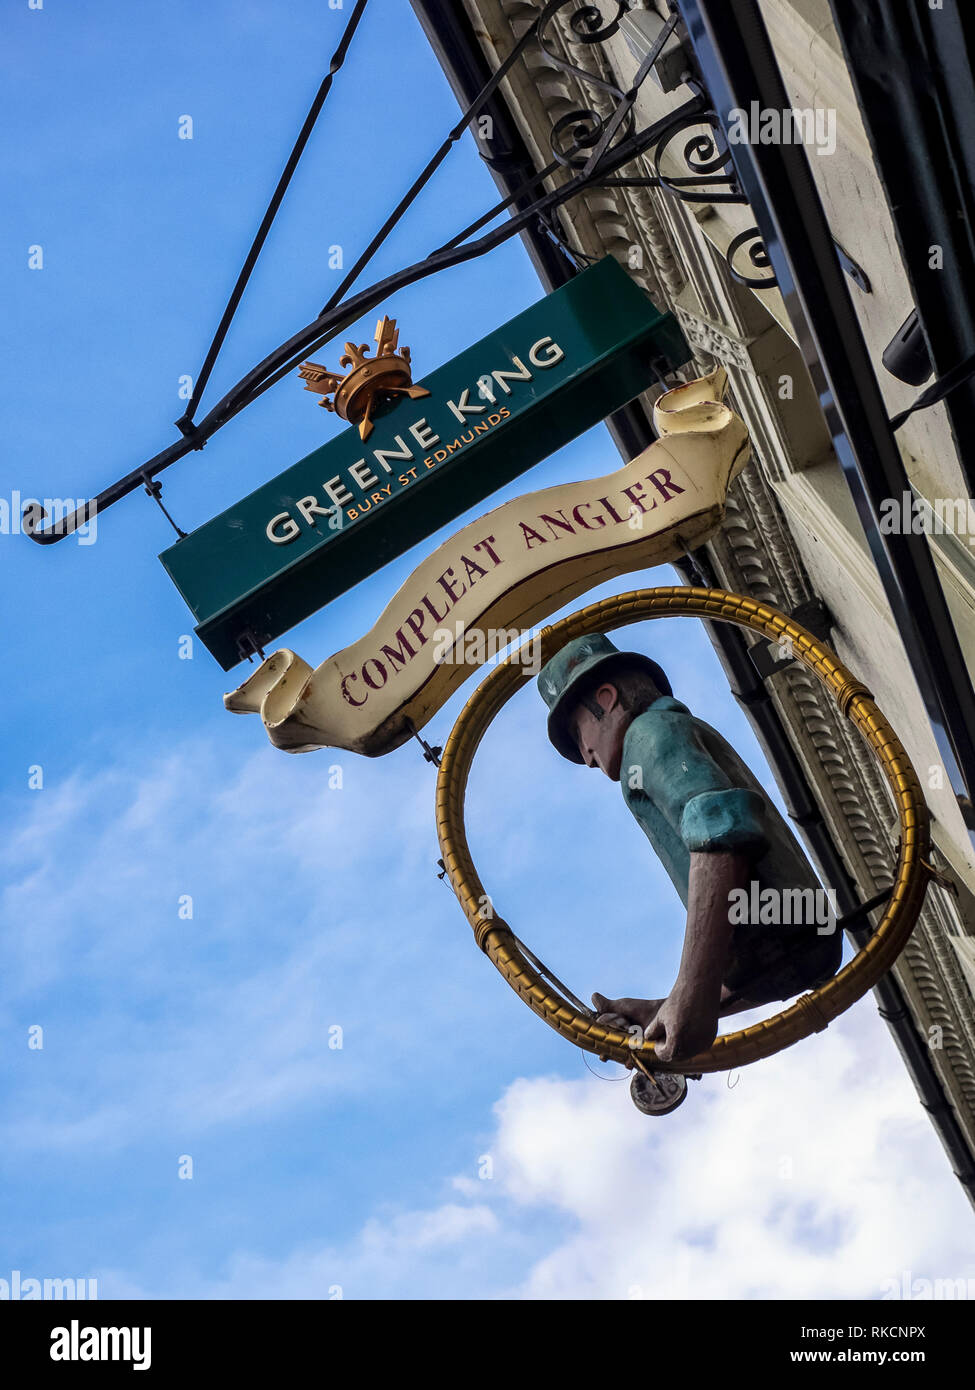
{"points": [[754, 555]]}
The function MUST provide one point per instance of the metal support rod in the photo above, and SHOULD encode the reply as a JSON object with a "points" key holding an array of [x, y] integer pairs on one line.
{"points": [[735, 56]]}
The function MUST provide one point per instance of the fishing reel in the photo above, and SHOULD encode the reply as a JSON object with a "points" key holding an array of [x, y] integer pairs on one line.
{"points": [[658, 1093]]}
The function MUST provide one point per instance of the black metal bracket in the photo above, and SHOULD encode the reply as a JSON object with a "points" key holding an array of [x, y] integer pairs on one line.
{"points": [[249, 646], [154, 490], [812, 614], [430, 755], [856, 272]]}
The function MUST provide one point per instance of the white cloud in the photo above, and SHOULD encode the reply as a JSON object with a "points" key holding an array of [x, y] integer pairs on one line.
{"points": [[409, 1254], [225, 1014], [816, 1176]]}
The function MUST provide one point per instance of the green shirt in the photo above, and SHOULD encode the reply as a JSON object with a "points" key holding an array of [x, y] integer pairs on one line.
{"points": [[690, 791]]}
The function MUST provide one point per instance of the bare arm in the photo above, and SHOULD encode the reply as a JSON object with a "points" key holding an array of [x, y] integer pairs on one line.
{"points": [[687, 1021]]}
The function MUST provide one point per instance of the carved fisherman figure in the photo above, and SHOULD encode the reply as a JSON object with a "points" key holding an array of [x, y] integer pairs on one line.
{"points": [[715, 831]]}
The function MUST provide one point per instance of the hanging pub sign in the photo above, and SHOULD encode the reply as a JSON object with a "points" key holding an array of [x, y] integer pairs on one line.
{"points": [[417, 455], [501, 574]]}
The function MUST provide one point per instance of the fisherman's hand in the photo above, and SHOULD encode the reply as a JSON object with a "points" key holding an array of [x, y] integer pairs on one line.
{"points": [[629, 1016], [681, 1027], [623, 1013]]}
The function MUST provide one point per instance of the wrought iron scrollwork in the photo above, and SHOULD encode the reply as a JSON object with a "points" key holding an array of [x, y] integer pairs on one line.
{"points": [[711, 175], [580, 137], [586, 128], [586, 125], [589, 26], [704, 155], [758, 256]]}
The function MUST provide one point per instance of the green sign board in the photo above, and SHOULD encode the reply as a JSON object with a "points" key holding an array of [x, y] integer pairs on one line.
{"points": [[347, 509]]}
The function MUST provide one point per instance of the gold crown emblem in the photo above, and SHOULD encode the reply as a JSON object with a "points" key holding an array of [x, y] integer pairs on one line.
{"points": [[387, 374]]}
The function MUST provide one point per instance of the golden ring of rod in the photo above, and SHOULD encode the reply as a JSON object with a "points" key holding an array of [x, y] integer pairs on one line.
{"points": [[811, 1012]]}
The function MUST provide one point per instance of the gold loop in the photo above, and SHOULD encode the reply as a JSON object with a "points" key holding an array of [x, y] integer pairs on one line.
{"points": [[812, 1012]]}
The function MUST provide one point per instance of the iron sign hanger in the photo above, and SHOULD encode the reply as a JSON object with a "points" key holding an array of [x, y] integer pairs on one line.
{"points": [[336, 316]]}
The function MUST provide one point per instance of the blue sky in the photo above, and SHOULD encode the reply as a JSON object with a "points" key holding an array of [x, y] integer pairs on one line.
{"points": [[316, 1167]]}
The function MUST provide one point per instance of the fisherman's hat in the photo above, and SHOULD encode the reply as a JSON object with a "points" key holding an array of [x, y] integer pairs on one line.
{"points": [[561, 678]]}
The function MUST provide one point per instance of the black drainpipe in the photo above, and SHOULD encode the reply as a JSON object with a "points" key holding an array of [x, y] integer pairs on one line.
{"points": [[453, 41]]}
